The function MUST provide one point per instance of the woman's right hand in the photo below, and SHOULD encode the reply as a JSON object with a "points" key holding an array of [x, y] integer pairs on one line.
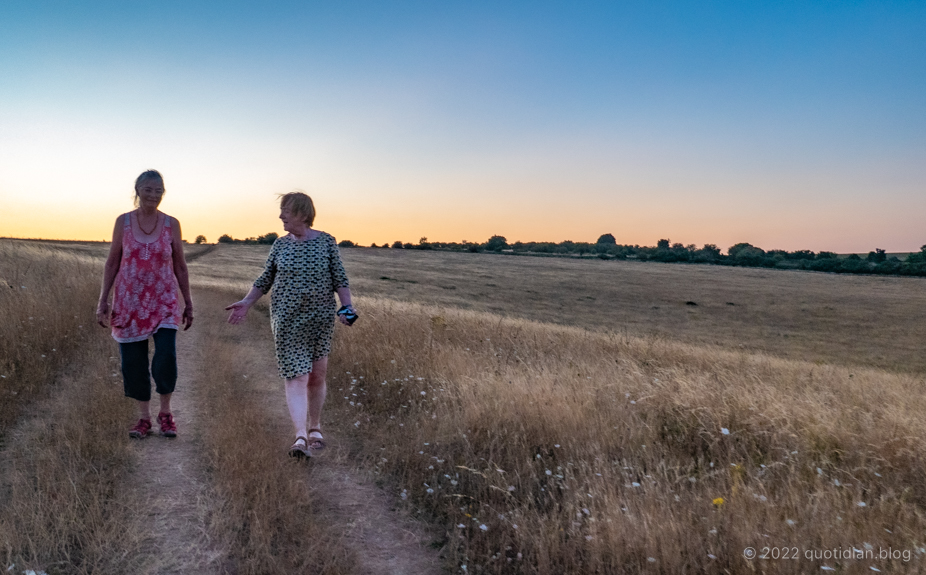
{"points": [[239, 310], [102, 313]]}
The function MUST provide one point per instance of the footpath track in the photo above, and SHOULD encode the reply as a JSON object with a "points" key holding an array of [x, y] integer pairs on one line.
{"points": [[177, 502]]}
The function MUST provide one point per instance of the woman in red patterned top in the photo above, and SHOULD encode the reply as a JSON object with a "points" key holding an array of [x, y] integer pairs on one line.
{"points": [[146, 265]]}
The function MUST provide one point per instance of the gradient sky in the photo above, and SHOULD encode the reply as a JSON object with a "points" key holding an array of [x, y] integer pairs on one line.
{"points": [[789, 125]]}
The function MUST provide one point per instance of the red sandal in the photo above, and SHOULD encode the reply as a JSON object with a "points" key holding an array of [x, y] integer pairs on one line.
{"points": [[141, 429]]}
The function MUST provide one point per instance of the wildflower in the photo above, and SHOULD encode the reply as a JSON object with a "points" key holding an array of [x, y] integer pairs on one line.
{"points": [[635, 484], [862, 504], [710, 556], [356, 424], [724, 431], [651, 559], [718, 502], [430, 491], [461, 526], [548, 472], [483, 527], [790, 522]]}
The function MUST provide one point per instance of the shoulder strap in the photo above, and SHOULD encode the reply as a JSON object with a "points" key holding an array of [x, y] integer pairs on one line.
{"points": [[128, 219]]}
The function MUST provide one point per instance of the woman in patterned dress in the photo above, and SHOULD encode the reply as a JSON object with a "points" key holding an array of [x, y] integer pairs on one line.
{"points": [[146, 264], [304, 268]]}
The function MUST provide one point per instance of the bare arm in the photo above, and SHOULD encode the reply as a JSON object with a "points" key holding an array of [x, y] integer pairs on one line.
{"points": [[113, 261], [239, 309], [183, 275]]}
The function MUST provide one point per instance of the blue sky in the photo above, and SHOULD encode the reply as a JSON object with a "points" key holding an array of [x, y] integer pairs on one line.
{"points": [[788, 125]]}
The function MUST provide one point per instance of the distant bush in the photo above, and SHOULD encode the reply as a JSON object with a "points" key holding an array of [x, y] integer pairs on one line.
{"points": [[347, 244], [264, 239], [200, 239], [496, 244]]}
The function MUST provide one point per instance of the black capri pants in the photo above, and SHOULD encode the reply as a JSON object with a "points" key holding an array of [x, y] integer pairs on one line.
{"points": [[135, 375]]}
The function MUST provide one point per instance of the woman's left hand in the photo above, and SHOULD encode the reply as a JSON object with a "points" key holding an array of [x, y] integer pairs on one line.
{"points": [[343, 318], [187, 317]]}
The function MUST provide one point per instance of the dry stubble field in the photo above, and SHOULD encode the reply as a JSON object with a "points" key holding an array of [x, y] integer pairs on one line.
{"points": [[558, 416]]}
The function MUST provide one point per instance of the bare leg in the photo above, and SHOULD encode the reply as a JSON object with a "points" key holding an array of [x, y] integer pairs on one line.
{"points": [[297, 400], [317, 391], [165, 403], [144, 409]]}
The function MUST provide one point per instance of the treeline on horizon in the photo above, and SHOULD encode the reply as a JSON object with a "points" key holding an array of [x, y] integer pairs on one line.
{"points": [[607, 248]]}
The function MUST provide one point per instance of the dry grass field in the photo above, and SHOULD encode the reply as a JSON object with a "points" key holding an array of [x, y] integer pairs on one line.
{"points": [[818, 317], [543, 415]]}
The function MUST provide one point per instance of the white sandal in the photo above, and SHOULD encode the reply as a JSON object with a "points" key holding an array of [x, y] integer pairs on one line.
{"points": [[316, 443], [300, 448]]}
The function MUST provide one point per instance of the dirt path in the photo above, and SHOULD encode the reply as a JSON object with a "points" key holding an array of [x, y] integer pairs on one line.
{"points": [[386, 539], [173, 488]]}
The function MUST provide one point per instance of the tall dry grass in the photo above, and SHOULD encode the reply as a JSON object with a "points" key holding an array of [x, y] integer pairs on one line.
{"points": [[47, 301], [548, 449], [63, 508], [267, 515]]}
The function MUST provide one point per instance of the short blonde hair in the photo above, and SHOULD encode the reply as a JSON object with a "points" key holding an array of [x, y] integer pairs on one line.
{"points": [[300, 205]]}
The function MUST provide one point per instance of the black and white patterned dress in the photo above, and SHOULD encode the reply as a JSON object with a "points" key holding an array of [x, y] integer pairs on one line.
{"points": [[304, 275]]}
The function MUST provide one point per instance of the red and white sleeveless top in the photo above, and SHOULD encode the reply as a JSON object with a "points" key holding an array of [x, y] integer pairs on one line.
{"points": [[145, 297]]}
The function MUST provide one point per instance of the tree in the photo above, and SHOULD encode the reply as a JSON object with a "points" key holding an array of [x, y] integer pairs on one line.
{"points": [[200, 239], [745, 250], [397, 245], [607, 239], [268, 238], [916, 258], [496, 243], [877, 256], [346, 244], [225, 239]]}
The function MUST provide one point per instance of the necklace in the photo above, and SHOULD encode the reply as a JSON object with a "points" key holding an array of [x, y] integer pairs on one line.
{"points": [[147, 233]]}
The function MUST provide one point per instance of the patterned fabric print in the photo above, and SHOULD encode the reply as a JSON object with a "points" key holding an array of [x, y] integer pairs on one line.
{"points": [[145, 296], [304, 276]]}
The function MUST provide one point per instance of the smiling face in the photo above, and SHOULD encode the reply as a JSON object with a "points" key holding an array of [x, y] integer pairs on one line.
{"points": [[149, 193], [292, 223]]}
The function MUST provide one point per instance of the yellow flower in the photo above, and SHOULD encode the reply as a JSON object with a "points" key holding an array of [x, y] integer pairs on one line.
{"points": [[718, 502]]}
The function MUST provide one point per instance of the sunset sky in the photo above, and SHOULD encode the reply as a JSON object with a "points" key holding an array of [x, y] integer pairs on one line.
{"points": [[789, 125]]}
